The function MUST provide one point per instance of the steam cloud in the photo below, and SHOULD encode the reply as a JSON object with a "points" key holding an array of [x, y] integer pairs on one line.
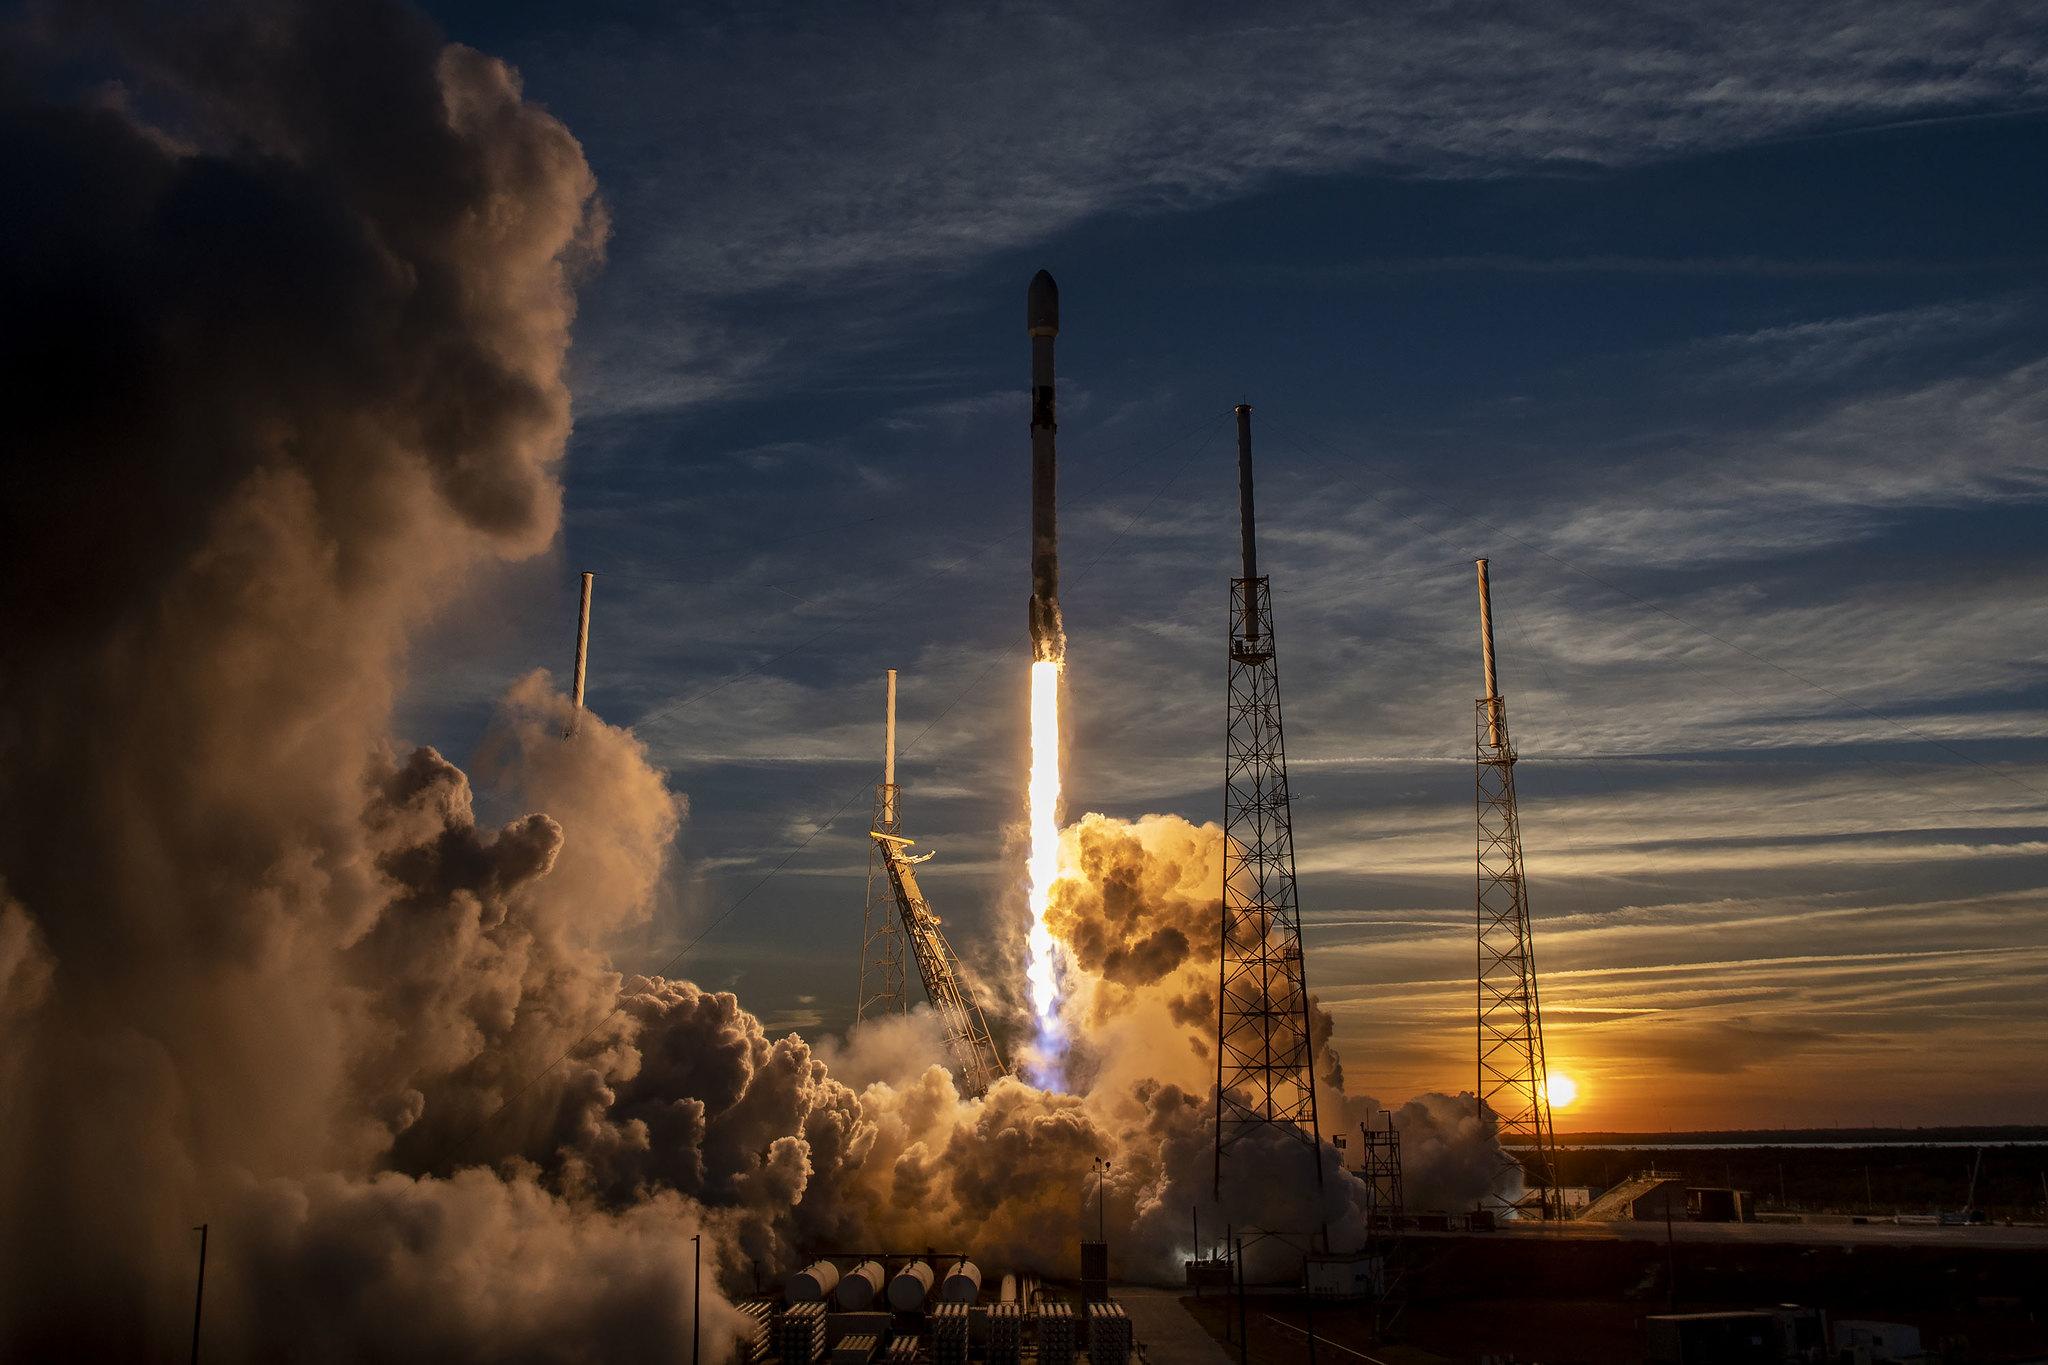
{"points": [[289, 303]]}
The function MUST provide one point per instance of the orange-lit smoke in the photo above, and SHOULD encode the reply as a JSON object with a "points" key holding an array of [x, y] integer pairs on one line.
{"points": [[1043, 866]]}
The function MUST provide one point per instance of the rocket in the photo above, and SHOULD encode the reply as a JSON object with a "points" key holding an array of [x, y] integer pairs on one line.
{"points": [[1042, 319]]}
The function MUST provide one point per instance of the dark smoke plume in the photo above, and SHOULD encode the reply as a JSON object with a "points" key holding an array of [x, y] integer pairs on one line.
{"points": [[289, 289]]}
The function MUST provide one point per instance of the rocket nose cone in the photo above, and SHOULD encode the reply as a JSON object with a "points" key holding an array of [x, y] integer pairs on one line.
{"points": [[1042, 308]]}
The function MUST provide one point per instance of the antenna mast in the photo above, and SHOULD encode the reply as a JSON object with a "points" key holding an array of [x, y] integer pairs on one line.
{"points": [[582, 655]]}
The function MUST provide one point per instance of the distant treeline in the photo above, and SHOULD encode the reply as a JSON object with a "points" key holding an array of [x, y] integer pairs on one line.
{"points": [[1878, 1181]]}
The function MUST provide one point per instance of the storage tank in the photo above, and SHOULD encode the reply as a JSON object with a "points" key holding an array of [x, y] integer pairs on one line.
{"points": [[813, 1284], [860, 1285], [961, 1282], [910, 1287]]}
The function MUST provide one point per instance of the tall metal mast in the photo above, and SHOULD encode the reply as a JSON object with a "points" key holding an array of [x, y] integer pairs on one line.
{"points": [[582, 657], [1265, 1063], [1513, 1075], [881, 937]]}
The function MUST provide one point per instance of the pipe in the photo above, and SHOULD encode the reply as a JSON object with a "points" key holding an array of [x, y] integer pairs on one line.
{"points": [[1492, 698], [1245, 525]]}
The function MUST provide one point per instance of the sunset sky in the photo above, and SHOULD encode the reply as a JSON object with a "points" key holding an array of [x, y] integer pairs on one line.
{"points": [[1722, 332]]}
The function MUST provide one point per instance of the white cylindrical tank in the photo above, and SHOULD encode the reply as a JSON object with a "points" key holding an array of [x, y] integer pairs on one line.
{"points": [[813, 1284], [1008, 1292], [910, 1287], [962, 1283], [857, 1290]]}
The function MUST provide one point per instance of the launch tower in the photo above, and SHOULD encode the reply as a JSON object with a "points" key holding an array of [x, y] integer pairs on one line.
{"points": [[881, 936], [1513, 1076], [1265, 1064], [967, 1036]]}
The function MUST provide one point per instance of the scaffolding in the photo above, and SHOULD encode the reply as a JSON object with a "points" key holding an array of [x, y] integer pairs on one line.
{"points": [[1380, 1172]]}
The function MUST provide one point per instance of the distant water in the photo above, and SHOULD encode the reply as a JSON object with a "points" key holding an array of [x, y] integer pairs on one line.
{"points": [[1749, 1146]]}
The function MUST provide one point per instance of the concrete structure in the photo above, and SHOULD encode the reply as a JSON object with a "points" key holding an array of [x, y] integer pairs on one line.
{"points": [[1877, 1342], [1742, 1338], [1718, 1204], [1642, 1197], [1358, 1275], [1094, 1271]]}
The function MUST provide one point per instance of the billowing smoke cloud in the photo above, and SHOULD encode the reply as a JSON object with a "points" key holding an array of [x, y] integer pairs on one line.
{"points": [[289, 296], [288, 291]]}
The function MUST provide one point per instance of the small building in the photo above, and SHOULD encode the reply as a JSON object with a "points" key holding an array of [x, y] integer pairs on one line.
{"points": [[1095, 1271], [1356, 1275], [1877, 1342], [1648, 1196], [1743, 1338], [1715, 1204], [1573, 1199]]}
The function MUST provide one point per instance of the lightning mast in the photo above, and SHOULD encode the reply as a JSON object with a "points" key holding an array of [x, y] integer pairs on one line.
{"points": [[967, 1036], [1265, 1063], [1513, 1075], [881, 937], [582, 657]]}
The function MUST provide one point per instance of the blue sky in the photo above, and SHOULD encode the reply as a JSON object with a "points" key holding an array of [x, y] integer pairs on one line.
{"points": [[1721, 329]]}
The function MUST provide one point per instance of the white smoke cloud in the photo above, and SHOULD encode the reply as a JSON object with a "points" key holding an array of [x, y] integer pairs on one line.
{"points": [[295, 358]]}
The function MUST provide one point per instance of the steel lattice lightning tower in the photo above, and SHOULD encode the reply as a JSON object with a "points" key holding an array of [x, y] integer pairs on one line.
{"points": [[1265, 1064], [1513, 1075], [881, 936]]}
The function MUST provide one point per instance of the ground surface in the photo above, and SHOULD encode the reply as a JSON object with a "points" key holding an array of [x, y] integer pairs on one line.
{"points": [[1832, 1233], [1584, 1296], [1169, 1334]]}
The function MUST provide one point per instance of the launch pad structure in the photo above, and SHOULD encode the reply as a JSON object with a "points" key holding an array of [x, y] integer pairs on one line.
{"points": [[898, 917], [1513, 1073], [967, 1036], [1265, 1062]]}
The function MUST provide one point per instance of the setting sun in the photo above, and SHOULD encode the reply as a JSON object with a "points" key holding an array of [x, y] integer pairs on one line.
{"points": [[1563, 1090]]}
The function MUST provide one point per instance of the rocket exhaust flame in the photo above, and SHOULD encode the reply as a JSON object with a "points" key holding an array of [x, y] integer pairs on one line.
{"points": [[1048, 655], [1043, 867]]}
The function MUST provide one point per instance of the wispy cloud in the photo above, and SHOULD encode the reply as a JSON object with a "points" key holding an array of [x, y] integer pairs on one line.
{"points": [[842, 179]]}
